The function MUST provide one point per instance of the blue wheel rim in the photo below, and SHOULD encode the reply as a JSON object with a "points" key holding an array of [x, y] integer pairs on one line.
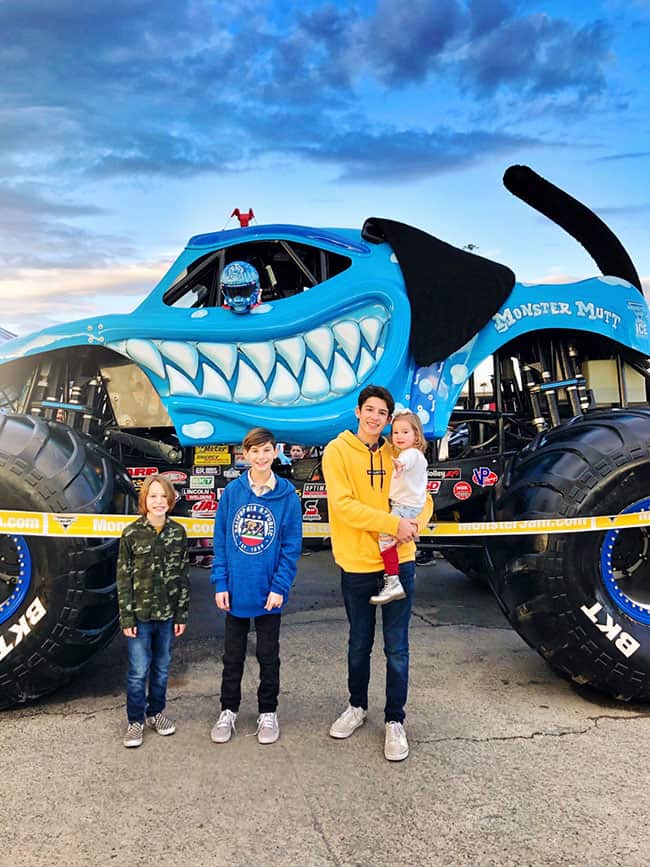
{"points": [[625, 566], [16, 564]]}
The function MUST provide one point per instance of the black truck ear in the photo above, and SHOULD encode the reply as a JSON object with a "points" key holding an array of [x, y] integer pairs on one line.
{"points": [[575, 218], [453, 293]]}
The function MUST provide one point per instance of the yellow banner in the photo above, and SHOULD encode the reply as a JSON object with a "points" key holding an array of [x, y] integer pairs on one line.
{"points": [[94, 526]]}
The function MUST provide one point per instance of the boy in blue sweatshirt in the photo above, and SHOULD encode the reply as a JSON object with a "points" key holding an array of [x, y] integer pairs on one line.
{"points": [[257, 543]]}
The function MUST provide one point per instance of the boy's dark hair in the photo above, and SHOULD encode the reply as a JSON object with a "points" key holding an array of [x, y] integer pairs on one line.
{"points": [[376, 391], [258, 436]]}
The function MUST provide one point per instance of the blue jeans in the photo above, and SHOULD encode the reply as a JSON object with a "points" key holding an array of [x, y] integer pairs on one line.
{"points": [[149, 655], [357, 589]]}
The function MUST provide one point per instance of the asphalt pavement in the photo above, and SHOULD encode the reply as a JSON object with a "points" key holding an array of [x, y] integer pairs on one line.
{"points": [[509, 765]]}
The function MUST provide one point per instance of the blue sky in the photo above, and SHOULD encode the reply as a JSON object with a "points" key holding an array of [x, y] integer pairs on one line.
{"points": [[127, 126]]}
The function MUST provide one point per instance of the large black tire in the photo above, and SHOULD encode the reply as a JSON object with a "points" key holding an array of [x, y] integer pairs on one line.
{"points": [[57, 598], [582, 600], [470, 561]]}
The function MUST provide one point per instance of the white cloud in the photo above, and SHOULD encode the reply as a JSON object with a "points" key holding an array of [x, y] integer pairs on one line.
{"points": [[33, 298]]}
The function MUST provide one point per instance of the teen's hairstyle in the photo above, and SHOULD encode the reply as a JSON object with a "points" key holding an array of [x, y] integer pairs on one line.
{"points": [[414, 420], [376, 391], [165, 484], [259, 436]]}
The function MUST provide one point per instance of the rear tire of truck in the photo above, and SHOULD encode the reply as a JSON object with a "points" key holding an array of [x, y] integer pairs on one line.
{"points": [[582, 600], [58, 601], [471, 562]]}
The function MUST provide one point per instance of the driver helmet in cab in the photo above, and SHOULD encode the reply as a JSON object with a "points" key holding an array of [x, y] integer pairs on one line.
{"points": [[240, 287]]}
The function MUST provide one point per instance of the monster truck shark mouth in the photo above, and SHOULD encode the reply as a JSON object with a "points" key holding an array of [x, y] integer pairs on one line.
{"points": [[315, 366]]}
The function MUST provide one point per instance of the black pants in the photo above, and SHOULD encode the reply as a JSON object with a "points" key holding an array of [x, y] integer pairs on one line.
{"points": [[267, 650]]}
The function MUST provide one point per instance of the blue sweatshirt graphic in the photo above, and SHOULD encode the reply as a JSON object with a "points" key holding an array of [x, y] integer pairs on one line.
{"points": [[257, 543]]}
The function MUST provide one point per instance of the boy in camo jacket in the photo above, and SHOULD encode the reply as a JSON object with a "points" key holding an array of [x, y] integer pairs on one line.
{"points": [[153, 591]]}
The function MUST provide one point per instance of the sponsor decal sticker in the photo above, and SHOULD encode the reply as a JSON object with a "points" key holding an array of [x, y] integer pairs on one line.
{"points": [[231, 474], [433, 486], [212, 456], [311, 512], [484, 477], [141, 472], [314, 489], [462, 490], [176, 477], [450, 473], [204, 508], [201, 483], [207, 471]]}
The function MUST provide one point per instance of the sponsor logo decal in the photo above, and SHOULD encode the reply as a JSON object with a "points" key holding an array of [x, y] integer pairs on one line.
{"points": [[204, 508], [201, 483], [462, 490], [611, 630], [211, 456], [451, 473], [311, 512], [176, 477], [207, 471], [484, 477], [253, 528], [141, 472], [433, 486], [314, 489], [21, 628]]}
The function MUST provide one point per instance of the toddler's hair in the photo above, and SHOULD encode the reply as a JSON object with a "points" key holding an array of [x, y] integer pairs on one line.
{"points": [[258, 436], [416, 424], [165, 484]]}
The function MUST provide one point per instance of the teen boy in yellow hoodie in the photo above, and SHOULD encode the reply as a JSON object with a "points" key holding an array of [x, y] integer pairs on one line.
{"points": [[357, 469]]}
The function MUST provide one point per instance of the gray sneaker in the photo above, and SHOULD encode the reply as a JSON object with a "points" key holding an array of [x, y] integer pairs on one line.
{"points": [[134, 734], [268, 728], [391, 590], [348, 722], [161, 723], [396, 746], [224, 727]]}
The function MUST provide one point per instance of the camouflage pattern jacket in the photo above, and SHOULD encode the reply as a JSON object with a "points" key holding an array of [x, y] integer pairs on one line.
{"points": [[153, 573]]}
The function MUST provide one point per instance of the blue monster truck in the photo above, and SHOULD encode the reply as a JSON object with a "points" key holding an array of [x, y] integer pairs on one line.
{"points": [[534, 400]]}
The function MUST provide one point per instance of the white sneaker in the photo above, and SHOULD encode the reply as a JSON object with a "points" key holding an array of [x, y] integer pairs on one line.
{"points": [[268, 728], [224, 727], [348, 722], [391, 590], [396, 746], [133, 735]]}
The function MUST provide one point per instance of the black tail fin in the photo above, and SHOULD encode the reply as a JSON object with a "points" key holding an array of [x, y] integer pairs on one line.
{"points": [[576, 219]]}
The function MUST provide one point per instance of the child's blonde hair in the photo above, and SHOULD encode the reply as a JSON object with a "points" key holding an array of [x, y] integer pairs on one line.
{"points": [[416, 424], [165, 484]]}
